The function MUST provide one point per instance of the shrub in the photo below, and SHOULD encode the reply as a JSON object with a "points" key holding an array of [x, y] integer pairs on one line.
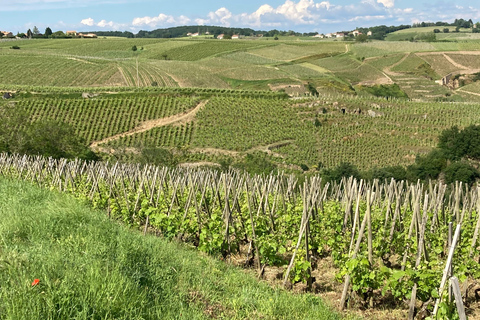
{"points": [[461, 171]]}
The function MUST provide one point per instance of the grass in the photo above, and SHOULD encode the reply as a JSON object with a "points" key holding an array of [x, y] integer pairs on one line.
{"points": [[90, 267]]}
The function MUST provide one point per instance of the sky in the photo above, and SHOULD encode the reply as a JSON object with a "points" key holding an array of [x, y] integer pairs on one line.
{"points": [[298, 15]]}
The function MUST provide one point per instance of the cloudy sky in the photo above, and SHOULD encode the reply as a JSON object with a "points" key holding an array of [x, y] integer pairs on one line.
{"points": [[298, 15]]}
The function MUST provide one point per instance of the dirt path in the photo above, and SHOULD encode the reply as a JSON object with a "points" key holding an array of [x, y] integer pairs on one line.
{"points": [[457, 65], [464, 91], [123, 76], [388, 70], [150, 124]]}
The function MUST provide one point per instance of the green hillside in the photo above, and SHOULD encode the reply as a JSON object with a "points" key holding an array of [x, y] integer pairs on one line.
{"points": [[90, 267]]}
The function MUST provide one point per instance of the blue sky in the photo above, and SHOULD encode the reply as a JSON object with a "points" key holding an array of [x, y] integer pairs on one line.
{"points": [[298, 15]]}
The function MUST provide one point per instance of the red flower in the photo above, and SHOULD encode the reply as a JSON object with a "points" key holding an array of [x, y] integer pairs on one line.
{"points": [[35, 282]]}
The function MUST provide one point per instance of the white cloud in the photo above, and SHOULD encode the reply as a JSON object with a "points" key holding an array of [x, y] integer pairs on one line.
{"points": [[88, 22], [104, 23], [387, 3], [160, 20], [34, 5], [222, 16]]}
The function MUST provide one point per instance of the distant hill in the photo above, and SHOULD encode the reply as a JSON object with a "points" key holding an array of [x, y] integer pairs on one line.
{"points": [[176, 32], [182, 31]]}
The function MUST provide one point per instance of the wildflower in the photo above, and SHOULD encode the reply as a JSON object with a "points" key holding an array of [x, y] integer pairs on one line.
{"points": [[35, 282]]}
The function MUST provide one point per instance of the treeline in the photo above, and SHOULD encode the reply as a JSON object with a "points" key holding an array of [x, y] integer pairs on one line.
{"points": [[124, 34], [176, 32], [461, 23], [214, 31], [380, 32]]}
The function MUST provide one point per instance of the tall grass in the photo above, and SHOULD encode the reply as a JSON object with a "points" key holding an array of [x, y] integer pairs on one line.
{"points": [[90, 267]]}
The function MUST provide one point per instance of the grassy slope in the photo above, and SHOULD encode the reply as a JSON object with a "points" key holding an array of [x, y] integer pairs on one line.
{"points": [[92, 268]]}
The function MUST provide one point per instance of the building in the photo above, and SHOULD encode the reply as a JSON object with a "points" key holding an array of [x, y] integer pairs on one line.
{"points": [[220, 36], [7, 34], [87, 35], [71, 33], [235, 36], [319, 35], [356, 33]]}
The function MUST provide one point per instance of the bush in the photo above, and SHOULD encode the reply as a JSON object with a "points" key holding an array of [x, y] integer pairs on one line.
{"points": [[428, 166], [15, 47], [461, 171], [345, 169], [457, 144], [386, 91]]}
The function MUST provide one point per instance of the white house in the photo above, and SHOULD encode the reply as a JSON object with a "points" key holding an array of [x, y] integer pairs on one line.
{"points": [[235, 36], [220, 36], [369, 33], [329, 35], [319, 35], [356, 33]]}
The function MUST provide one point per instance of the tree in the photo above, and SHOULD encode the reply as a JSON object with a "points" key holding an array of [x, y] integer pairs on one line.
{"points": [[134, 48], [436, 30], [58, 34], [361, 38], [344, 169], [446, 30], [48, 138], [457, 144], [48, 32], [29, 33], [428, 166], [461, 171], [35, 30]]}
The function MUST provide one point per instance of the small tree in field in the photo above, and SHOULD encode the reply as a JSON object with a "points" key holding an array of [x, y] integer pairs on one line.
{"points": [[134, 48], [48, 32], [361, 38]]}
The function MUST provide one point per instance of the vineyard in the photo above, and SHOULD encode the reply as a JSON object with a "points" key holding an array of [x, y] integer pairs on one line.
{"points": [[210, 63], [327, 130], [276, 223]]}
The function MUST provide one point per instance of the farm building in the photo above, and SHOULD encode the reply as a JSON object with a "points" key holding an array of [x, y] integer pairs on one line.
{"points": [[87, 35], [319, 35], [7, 34], [220, 36], [71, 33]]}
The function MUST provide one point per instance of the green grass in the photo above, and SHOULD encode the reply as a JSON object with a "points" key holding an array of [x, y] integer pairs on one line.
{"points": [[90, 267]]}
